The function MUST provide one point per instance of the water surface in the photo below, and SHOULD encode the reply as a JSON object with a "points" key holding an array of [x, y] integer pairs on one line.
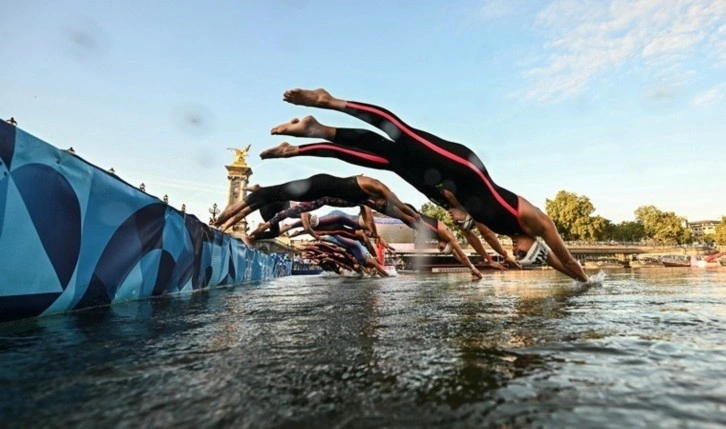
{"points": [[645, 349]]}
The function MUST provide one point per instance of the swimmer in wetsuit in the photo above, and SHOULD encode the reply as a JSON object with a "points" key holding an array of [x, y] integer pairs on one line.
{"points": [[349, 226], [356, 189], [361, 255], [368, 149], [350, 145], [267, 213], [270, 228], [434, 162]]}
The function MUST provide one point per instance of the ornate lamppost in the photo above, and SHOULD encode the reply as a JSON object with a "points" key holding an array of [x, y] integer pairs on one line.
{"points": [[214, 211]]}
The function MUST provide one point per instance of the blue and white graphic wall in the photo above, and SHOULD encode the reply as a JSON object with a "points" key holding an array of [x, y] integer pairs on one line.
{"points": [[74, 236]]}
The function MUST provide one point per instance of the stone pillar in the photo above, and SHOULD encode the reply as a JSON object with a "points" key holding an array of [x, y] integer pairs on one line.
{"points": [[238, 176]]}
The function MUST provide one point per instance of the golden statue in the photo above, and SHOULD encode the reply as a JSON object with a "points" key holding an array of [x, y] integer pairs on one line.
{"points": [[240, 156]]}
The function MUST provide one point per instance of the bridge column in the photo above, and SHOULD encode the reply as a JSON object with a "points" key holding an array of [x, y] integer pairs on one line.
{"points": [[238, 175]]}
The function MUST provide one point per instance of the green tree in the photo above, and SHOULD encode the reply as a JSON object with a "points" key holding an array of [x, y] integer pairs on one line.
{"points": [[663, 227], [571, 214], [598, 227], [628, 231], [608, 231], [720, 234]]}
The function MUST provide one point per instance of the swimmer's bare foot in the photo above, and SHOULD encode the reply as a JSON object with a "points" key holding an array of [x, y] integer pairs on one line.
{"points": [[283, 150], [307, 127], [313, 98]]}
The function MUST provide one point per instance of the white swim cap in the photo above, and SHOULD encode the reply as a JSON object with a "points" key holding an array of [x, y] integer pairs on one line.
{"points": [[535, 256]]}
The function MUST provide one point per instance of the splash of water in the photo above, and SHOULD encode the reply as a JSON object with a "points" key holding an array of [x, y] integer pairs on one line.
{"points": [[595, 280]]}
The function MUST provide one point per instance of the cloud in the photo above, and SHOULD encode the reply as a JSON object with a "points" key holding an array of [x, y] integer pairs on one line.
{"points": [[712, 97], [610, 35]]}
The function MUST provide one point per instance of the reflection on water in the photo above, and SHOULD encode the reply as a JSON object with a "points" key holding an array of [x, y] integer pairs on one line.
{"points": [[647, 348]]}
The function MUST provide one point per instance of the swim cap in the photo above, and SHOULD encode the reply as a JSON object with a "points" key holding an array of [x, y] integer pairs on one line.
{"points": [[535, 256]]}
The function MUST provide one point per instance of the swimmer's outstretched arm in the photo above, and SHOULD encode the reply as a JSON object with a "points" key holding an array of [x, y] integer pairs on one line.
{"points": [[475, 243], [447, 236], [493, 241], [568, 265], [371, 261], [229, 212]]}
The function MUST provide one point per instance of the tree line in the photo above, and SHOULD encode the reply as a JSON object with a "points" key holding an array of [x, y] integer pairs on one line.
{"points": [[573, 216]]}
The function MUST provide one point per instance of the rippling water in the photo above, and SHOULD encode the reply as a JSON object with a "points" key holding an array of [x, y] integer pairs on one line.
{"points": [[647, 348]]}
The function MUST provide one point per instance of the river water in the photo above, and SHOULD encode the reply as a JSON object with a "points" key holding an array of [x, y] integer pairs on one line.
{"points": [[647, 348]]}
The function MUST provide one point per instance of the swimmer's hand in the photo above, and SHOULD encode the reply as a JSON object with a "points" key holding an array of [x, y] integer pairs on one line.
{"points": [[512, 262], [476, 273], [496, 265]]}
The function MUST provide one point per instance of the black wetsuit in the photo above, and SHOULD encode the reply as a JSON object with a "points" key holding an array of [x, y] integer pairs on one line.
{"points": [[268, 212], [426, 162], [369, 149], [310, 189]]}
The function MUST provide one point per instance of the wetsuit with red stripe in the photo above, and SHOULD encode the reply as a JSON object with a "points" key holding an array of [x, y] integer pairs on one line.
{"points": [[461, 170], [371, 150], [432, 161]]}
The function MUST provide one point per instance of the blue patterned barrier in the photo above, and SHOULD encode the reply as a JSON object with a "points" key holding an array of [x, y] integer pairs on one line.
{"points": [[74, 236]]}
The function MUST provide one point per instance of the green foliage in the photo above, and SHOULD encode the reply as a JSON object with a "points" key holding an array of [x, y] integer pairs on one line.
{"points": [[628, 231], [663, 227], [571, 214], [607, 231], [436, 212], [720, 235]]}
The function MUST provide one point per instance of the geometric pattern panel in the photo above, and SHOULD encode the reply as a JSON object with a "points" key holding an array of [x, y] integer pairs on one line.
{"points": [[74, 236]]}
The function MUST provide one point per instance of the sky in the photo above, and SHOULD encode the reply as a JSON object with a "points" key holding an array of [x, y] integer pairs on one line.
{"points": [[621, 101]]}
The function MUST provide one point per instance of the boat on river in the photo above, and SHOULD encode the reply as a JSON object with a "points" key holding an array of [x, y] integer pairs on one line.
{"points": [[646, 262], [676, 261]]}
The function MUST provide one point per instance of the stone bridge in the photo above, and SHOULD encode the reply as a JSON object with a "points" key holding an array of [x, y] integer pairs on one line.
{"points": [[582, 252]]}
